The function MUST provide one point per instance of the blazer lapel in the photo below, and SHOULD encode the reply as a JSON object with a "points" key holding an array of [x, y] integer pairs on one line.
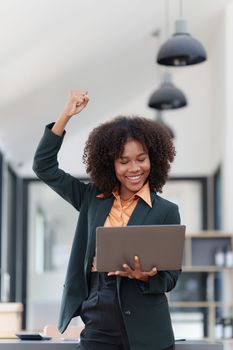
{"points": [[102, 208], [141, 211]]}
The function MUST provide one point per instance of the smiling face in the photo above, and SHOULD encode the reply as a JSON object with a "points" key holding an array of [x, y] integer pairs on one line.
{"points": [[132, 168]]}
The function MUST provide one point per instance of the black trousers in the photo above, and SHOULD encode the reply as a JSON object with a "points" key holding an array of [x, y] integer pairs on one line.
{"points": [[104, 325]]}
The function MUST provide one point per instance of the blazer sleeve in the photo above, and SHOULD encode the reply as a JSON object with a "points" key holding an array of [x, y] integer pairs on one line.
{"points": [[163, 281], [46, 167]]}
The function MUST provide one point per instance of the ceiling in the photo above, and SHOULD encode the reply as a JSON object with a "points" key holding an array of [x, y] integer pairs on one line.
{"points": [[106, 47]]}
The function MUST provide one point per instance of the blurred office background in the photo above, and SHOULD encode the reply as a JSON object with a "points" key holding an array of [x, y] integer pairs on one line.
{"points": [[110, 49]]}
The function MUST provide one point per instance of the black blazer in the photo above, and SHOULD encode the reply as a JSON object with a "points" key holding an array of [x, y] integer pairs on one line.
{"points": [[144, 305]]}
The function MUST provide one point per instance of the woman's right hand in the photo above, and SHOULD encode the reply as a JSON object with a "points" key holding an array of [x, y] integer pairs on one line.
{"points": [[77, 101]]}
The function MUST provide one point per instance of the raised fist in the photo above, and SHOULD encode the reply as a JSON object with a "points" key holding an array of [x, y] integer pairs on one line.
{"points": [[77, 100]]}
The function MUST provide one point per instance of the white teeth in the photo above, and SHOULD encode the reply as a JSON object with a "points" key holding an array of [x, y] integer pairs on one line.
{"points": [[134, 177]]}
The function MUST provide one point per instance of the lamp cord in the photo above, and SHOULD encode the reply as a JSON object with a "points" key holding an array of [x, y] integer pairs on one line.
{"points": [[167, 19], [181, 8]]}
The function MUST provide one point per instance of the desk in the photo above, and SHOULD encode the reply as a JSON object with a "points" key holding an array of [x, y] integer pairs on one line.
{"points": [[71, 345]]}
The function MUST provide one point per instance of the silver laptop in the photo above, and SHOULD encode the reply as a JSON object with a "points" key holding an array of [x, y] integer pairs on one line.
{"points": [[156, 245]]}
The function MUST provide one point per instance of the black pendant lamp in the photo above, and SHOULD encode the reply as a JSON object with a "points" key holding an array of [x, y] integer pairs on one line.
{"points": [[167, 96], [181, 49]]}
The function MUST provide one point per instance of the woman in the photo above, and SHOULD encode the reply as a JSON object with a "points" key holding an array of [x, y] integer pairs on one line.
{"points": [[128, 160]]}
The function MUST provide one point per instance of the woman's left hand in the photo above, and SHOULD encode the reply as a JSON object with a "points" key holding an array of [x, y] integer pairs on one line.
{"points": [[135, 273]]}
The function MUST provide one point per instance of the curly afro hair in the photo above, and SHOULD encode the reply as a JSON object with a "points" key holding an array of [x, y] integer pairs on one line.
{"points": [[106, 143]]}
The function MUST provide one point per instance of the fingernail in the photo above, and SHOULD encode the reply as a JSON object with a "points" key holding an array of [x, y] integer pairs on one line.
{"points": [[124, 265], [136, 257]]}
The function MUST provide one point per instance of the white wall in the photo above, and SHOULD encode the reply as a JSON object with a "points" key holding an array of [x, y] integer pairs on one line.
{"points": [[217, 83], [227, 195]]}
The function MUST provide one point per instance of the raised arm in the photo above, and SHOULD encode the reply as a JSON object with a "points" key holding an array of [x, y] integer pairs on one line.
{"points": [[45, 162]]}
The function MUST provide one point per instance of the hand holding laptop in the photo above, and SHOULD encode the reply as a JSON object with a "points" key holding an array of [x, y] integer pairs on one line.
{"points": [[135, 273]]}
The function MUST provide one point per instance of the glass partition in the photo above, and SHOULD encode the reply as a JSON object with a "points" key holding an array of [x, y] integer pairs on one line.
{"points": [[51, 227]]}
